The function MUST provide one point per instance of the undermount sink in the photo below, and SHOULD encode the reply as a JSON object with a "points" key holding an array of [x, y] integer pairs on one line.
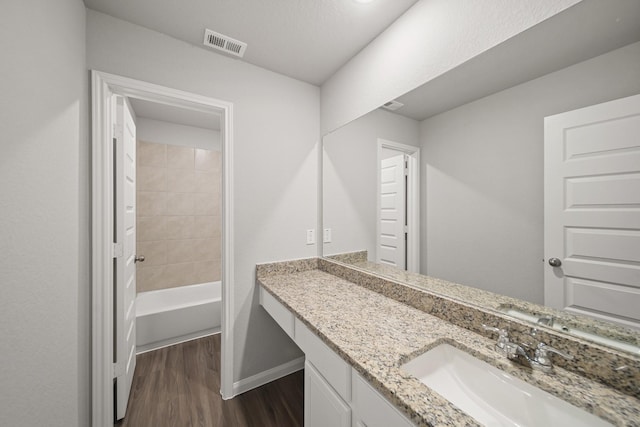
{"points": [[491, 396]]}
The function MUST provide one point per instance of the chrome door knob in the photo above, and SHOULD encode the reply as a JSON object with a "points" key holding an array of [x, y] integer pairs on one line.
{"points": [[139, 258], [555, 262]]}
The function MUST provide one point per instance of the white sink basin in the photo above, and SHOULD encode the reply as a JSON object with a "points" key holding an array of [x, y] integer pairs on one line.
{"points": [[491, 396]]}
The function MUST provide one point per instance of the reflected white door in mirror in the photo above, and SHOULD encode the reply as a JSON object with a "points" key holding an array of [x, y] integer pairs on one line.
{"points": [[592, 211], [398, 206]]}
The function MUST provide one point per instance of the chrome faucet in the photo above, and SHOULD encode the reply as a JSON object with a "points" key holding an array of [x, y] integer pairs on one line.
{"points": [[538, 360]]}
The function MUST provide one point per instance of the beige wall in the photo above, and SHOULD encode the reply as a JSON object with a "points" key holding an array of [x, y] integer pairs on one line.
{"points": [[178, 216]]}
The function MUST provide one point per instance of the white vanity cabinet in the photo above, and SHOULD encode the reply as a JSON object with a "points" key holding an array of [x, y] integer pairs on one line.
{"points": [[332, 367], [278, 312], [322, 405], [334, 393], [370, 409], [327, 382]]}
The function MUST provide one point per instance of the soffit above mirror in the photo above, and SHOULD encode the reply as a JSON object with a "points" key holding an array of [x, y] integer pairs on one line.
{"points": [[584, 31]]}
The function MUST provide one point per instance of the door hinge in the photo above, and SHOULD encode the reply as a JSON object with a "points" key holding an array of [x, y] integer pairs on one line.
{"points": [[118, 250], [117, 369]]}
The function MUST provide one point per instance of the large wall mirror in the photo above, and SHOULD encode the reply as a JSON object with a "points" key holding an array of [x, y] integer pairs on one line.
{"points": [[463, 155]]}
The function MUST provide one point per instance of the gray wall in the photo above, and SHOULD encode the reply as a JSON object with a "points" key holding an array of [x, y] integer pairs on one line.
{"points": [[350, 175], [44, 232], [276, 138], [483, 170]]}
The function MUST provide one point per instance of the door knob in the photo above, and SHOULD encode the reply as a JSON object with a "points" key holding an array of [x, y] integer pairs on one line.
{"points": [[553, 262], [139, 258]]}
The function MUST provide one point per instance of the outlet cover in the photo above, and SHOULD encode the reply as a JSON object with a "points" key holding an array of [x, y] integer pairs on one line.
{"points": [[311, 237], [326, 238]]}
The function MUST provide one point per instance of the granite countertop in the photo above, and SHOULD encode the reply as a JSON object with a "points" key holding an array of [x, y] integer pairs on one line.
{"points": [[490, 300], [375, 334]]}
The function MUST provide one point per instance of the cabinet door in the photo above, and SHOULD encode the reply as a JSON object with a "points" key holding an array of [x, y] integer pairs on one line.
{"points": [[322, 405]]}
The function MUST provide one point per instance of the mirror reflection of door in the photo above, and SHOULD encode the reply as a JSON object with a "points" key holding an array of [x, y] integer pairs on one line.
{"points": [[392, 217], [397, 241], [592, 221]]}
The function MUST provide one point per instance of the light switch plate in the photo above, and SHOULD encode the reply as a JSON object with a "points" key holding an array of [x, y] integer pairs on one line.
{"points": [[326, 237]]}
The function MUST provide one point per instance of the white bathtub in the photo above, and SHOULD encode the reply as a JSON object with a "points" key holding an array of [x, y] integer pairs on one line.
{"points": [[170, 316]]}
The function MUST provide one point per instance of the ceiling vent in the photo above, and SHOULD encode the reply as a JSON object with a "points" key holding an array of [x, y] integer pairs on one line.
{"points": [[224, 43], [392, 105]]}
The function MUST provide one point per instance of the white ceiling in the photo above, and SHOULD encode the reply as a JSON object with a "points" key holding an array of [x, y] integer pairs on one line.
{"points": [[305, 39], [177, 115]]}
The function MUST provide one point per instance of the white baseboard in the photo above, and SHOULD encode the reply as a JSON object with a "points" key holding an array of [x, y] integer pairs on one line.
{"points": [[176, 340], [267, 376]]}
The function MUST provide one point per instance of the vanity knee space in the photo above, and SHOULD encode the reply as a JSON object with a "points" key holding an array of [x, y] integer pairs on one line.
{"points": [[335, 394]]}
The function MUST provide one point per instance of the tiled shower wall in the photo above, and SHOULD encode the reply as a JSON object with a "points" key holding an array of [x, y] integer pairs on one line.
{"points": [[178, 216]]}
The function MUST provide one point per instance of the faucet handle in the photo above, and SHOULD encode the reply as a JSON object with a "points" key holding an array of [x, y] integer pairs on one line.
{"points": [[542, 356], [499, 331], [544, 348], [503, 337]]}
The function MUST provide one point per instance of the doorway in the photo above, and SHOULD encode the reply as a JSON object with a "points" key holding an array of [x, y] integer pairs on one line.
{"points": [[398, 205], [105, 88]]}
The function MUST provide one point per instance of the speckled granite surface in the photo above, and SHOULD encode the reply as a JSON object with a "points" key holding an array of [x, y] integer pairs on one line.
{"points": [[375, 334], [354, 258], [489, 300], [611, 367], [286, 267]]}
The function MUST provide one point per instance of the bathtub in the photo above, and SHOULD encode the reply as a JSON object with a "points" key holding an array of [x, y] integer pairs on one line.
{"points": [[170, 316]]}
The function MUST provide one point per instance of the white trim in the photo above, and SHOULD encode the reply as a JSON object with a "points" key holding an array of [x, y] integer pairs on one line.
{"points": [[319, 204], [267, 376], [101, 242], [413, 202], [176, 340], [103, 87], [227, 325]]}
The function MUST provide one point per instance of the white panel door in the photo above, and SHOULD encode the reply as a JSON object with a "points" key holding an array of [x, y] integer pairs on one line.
{"points": [[391, 248], [125, 248], [592, 211]]}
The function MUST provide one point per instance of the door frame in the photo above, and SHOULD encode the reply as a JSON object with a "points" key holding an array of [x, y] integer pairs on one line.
{"points": [[413, 200], [103, 86]]}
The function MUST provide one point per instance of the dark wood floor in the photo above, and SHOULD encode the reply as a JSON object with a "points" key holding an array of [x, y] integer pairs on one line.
{"points": [[179, 386]]}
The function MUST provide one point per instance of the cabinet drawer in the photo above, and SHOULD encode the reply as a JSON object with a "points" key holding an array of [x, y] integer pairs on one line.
{"points": [[335, 370], [371, 409], [279, 312]]}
